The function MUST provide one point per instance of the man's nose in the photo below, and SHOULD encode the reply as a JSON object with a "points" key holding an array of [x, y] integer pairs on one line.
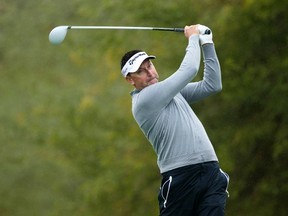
{"points": [[149, 72]]}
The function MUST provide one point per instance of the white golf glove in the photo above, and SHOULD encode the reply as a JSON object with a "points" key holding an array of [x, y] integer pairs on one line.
{"points": [[204, 38]]}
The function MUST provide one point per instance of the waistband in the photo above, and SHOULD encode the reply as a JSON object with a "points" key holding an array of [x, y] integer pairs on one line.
{"points": [[189, 168]]}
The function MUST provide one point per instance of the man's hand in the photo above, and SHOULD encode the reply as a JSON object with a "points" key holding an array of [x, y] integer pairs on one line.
{"points": [[191, 30], [204, 38]]}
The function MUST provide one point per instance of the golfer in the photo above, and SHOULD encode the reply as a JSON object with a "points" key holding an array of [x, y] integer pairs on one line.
{"points": [[192, 181]]}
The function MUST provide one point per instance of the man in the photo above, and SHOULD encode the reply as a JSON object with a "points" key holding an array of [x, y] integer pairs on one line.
{"points": [[192, 183]]}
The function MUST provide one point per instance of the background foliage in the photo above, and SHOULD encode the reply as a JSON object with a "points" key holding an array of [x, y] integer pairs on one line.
{"points": [[68, 142]]}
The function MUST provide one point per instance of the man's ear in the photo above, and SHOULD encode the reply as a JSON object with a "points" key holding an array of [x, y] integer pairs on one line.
{"points": [[129, 79]]}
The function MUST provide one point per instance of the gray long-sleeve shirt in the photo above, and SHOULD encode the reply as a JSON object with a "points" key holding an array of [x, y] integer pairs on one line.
{"points": [[164, 115]]}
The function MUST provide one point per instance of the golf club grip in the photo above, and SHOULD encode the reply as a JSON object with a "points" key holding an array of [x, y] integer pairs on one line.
{"points": [[207, 31], [179, 29], [168, 29]]}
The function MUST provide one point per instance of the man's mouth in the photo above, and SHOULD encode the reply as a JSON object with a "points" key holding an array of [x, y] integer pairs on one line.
{"points": [[152, 79]]}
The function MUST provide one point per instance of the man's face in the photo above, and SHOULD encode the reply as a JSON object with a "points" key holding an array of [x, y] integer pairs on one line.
{"points": [[146, 75]]}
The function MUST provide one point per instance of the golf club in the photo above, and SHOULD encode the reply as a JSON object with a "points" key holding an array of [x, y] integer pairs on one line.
{"points": [[58, 34]]}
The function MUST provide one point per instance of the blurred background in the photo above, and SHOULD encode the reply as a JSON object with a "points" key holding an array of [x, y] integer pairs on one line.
{"points": [[68, 142]]}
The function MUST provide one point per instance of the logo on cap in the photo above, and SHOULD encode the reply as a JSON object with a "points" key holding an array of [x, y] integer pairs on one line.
{"points": [[131, 61]]}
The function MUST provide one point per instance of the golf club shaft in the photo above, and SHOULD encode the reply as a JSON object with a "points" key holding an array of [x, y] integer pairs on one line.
{"points": [[127, 28], [207, 31]]}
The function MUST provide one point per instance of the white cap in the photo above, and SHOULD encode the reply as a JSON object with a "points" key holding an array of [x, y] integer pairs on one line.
{"points": [[133, 64]]}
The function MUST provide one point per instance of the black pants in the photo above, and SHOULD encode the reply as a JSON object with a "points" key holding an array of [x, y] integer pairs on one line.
{"points": [[195, 190]]}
